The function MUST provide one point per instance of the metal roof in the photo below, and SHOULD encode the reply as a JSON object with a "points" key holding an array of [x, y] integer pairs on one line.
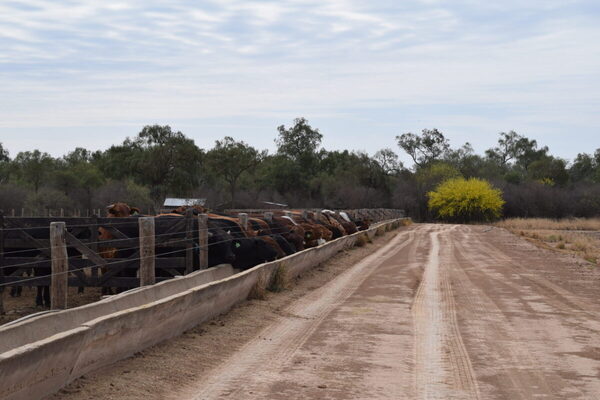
{"points": [[274, 204], [174, 202]]}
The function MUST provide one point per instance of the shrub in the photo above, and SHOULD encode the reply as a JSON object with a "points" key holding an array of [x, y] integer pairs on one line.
{"points": [[47, 198], [466, 200]]}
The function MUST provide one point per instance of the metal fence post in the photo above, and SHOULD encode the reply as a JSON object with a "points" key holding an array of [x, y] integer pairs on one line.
{"points": [[243, 220], [269, 217]]}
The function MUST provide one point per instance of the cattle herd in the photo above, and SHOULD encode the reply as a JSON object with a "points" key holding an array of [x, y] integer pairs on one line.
{"points": [[261, 239], [243, 244]]}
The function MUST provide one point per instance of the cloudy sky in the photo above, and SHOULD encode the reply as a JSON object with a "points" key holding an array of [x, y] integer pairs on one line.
{"points": [[90, 73]]}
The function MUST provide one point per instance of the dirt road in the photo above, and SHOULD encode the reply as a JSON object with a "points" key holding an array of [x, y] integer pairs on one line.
{"points": [[432, 312], [440, 312]]}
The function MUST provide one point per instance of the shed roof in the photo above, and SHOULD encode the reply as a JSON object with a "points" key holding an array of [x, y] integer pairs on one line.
{"points": [[175, 202]]}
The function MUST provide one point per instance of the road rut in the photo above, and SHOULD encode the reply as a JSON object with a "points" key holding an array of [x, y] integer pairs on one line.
{"points": [[438, 312]]}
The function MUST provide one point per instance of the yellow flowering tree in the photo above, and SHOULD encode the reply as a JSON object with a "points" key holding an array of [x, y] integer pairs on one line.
{"points": [[466, 200]]}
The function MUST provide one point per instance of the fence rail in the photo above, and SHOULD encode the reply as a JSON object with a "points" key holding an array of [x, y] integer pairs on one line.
{"points": [[29, 252]]}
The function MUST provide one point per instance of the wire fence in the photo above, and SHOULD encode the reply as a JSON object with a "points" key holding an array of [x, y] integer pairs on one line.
{"points": [[104, 247]]}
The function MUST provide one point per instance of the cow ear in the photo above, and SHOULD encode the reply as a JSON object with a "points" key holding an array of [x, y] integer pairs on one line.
{"points": [[134, 210], [229, 232]]}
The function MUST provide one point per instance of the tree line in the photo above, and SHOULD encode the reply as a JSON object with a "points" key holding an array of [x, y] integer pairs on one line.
{"points": [[159, 162]]}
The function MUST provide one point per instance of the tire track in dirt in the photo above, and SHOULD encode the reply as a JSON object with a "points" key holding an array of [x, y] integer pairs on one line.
{"points": [[516, 348], [443, 368], [249, 373]]}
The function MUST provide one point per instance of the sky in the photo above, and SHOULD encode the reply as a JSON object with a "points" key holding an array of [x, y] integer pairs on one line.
{"points": [[90, 73]]}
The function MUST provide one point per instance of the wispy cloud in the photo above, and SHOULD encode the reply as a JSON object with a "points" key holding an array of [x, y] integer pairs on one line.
{"points": [[386, 66]]}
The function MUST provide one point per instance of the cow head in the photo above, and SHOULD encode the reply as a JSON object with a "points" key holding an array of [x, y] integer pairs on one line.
{"points": [[120, 210]]}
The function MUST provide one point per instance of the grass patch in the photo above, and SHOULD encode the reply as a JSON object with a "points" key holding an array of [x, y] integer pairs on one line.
{"points": [[259, 290], [279, 280], [581, 243], [361, 240], [566, 224]]}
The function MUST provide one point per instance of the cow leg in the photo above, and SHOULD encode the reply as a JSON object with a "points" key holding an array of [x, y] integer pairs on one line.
{"points": [[107, 291], [39, 297], [46, 290]]}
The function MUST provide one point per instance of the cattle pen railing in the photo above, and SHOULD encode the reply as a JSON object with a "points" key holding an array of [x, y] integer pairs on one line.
{"points": [[66, 251]]}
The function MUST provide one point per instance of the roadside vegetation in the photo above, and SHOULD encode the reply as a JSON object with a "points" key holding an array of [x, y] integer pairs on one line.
{"points": [[466, 200], [159, 161], [569, 224], [574, 235]]}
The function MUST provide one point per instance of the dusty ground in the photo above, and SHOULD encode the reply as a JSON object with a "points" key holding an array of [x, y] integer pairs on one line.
{"points": [[17, 307], [436, 312], [166, 368]]}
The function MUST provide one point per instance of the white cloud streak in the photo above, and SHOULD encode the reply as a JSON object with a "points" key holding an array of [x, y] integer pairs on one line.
{"points": [[535, 65]]}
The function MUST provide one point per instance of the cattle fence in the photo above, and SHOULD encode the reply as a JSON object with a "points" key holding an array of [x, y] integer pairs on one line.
{"points": [[67, 251]]}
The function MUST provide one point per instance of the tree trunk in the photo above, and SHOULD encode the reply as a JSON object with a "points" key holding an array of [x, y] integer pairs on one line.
{"points": [[232, 188]]}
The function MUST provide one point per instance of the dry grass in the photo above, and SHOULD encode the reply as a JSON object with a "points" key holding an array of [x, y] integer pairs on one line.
{"points": [[361, 240], [568, 224], [279, 280], [259, 290], [584, 245]]}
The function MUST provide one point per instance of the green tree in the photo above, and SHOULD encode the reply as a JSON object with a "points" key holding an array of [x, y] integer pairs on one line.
{"points": [[585, 168], [33, 167], [466, 200], [388, 161], [298, 144], [430, 146], [550, 170], [164, 160], [299, 141], [510, 147], [4, 165], [230, 159], [426, 178]]}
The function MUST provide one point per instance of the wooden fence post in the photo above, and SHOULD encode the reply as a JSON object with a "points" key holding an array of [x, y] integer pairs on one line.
{"points": [[203, 240], [22, 212], [62, 212], [60, 266], [243, 220], [147, 275], [189, 243], [12, 213], [94, 246], [269, 217]]}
